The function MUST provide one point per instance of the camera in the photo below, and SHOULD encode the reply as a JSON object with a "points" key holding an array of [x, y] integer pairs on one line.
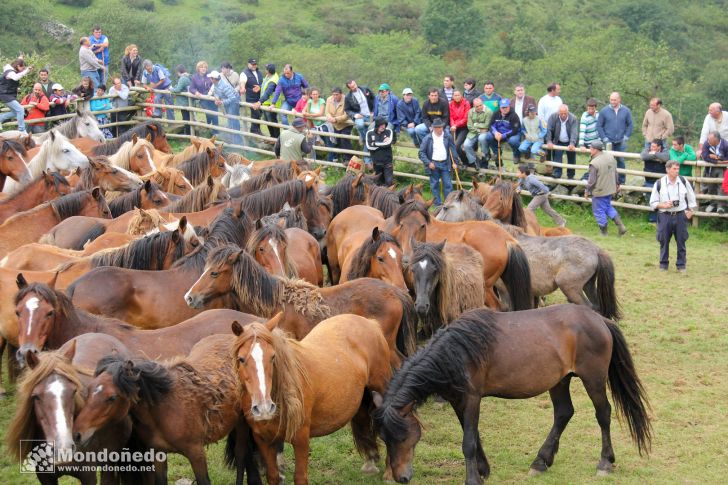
{"points": [[675, 203]]}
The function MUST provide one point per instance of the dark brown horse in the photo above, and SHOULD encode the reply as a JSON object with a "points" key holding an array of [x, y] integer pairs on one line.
{"points": [[516, 355], [47, 187], [287, 218], [379, 255], [153, 129], [232, 271], [146, 196], [209, 163], [103, 174]]}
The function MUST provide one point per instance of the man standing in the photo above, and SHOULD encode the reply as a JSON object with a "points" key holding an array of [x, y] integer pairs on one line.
{"points": [[437, 154], [339, 120], [409, 114], [490, 98], [520, 101], [228, 73], [9, 84], [290, 86], [90, 65], [379, 144], [229, 98], [603, 183], [614, 126], [447, 88], [588, 124], [250, 85], [674, 199], [385, 106], [270, 81], [478, 122], [654, 159], [38, 105], [715, 120], [153, 77], [505, 127], [45, 82], [359, 105], [657, 123], [563, 130], [433, 107], [683, 153], [120, 93], [715, 151], [549, 102], [293, 142], [100, 47]]}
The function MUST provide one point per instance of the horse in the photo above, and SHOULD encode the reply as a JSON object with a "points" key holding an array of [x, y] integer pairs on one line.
{"points": [[505, 205], [480, 191], [287, 218], [172, 179], [447, 280], [27, 140], [461, 206], [181, 406], [12, 162], [47, 319], [277, 164], [230, 270], [46, 187], [197, 145], [83, 125], [515, 355], [207, 194], [199, 167], [147, 196], [135, 155], [348, 191], [502, 257], [582, 270], [264, 180], [286, 386], [55, 154], [28, 226], [362, 189], [237, 174], [374, 255], [152, 129], [100, 172], [51, 394], [293, 254], [153, 299]]}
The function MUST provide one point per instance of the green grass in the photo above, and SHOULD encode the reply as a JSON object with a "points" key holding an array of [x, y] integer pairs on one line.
{"points": [[675, 325]]}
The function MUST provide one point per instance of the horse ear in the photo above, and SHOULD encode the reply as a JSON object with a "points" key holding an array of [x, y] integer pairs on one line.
{"points": [[53, 135], [148, 137], [461, 194], [31, 359], [134, 139], [212, 140], [182, 224], [357, 179], [429, 203], [258, 225], [401, 199], [210, 181], [317, 171], [475, 184], [195, 141], [286, 206], [21, 281], [79, 113], [148, 186], [375, 233], [70, 352], [273, 322], [153, 127], [237, 328], [418, 187], [176, 235], [52, 284], [209, 152], [296, 169], [440, 246], [129, 367], [377, 399], [407, 409], [96, 193], [28, 141]]}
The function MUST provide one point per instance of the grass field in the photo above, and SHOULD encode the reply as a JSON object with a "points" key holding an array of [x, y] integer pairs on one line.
{"points": [[675, 325]]}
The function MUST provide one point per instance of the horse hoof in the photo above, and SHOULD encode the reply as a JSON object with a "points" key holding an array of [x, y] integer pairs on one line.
{"points": [[532, 472], [369, 468], [604, 473]]}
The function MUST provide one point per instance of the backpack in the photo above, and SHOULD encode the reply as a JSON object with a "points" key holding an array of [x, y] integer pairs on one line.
{"points": [[164, 70]]}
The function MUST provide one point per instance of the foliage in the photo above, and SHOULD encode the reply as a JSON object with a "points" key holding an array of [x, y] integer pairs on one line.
{"points": [[147, 5], [452, 25], [76, 3]]}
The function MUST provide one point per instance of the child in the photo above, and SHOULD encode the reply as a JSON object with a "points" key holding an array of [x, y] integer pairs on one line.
{"points": [[101, 105], [60, 101], [539, 192], [535, 131]]}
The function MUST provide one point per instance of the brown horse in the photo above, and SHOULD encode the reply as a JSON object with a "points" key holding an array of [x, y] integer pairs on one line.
{"points": [[103, 174], [260, 165], [516, 355], [362, 189], [181, 406], [171, 160], [29, 226], [146, 196], [12, 162], [209, 163], [152, 129], [232, 271], [379, 255], [353, 222], [502, 256], [288, 217], [209, 193], [171, 179], [288, 386], [136, 156], [505, 204], [49, 186], [291, 253]]}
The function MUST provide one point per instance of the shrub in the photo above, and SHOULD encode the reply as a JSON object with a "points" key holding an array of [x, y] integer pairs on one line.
{"points": [[147, 5], [76, 3]]}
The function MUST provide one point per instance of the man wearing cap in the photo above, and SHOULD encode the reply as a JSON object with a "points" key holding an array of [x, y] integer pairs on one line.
{"points": [[409, 114], [534, 131], [293, 142], [250, 85], [563, 130], [60, 102], [379, 143], [437, 154], [153, 77], [290, 86], [603, 183], [37, 105], [478, 122], [270, 81], [505, 127], [229, 98], [385, 106]]}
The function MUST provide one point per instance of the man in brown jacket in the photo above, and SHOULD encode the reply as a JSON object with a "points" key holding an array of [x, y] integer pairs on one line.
{"points": [[603, 183], [337, 121], [657, 124]]}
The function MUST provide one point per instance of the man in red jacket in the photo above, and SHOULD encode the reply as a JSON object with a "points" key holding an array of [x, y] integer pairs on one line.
{"points": [[39, 106]]}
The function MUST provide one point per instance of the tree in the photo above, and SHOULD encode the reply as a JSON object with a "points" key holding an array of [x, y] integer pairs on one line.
{"points": [[453, 25]]}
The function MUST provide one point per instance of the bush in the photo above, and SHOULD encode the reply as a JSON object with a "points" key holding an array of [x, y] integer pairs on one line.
{"points": [[239, 17], [76, 3], [170, 2], [147, 5]]}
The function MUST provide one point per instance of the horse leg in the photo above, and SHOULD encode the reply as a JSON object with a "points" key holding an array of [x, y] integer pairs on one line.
{"points": [[563, 411], [483, 466], [268, 452], [365, 437], [198, 460], [3, 344], [244, 459], [160, 472], [491, 301], [467, 408], [301, 449], [13, 367], [597, 390], [573, 293]]}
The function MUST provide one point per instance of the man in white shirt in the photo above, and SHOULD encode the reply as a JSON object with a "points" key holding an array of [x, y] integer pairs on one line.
{"points": [[437, 153], [550, 102], [674, 199], [715, 120]]}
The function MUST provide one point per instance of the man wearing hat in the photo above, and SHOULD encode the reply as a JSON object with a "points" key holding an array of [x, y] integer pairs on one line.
{"points": [[385, 106], [226, 96], [60, 102], [250, 85], [437, 154], [294, 142], [409, 114], [505, 127], [602, 185]]}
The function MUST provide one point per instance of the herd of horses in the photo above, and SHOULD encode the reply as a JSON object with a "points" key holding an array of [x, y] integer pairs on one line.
{"points": [[167, 301]]}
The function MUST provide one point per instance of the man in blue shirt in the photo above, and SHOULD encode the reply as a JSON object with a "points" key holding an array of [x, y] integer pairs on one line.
{"points": [[153, 77], [100, 47], [229, 98], [614, 126]]}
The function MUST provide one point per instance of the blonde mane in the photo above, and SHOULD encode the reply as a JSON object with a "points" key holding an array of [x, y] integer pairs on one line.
{"points": [[305, 298], [461, 284], [143, 221], [122, 158]]}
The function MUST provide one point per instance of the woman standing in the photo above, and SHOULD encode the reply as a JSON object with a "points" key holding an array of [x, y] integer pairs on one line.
{"points": [[131, 66], [314, 108], [9, 84], [201, 85]]}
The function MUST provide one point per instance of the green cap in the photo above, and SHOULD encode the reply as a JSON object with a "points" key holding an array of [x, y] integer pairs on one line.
{"points": [[384, 87]]}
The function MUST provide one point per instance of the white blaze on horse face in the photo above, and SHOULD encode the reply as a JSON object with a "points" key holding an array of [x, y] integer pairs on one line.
{"points": [[392, 253], [188, 182], [25, 164], [63, 433], [32, 304], [149, 158], [308, 178], [98, 389], [257, 354], [274, 245], [187, 295], [423, 264]]}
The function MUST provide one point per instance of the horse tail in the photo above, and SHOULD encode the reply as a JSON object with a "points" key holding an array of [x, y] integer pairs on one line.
{"points": [[362, 427], [97, 230], [407, 332], [517, 278], [250, 465], [230, 444], [628, 393], [606, 302]]}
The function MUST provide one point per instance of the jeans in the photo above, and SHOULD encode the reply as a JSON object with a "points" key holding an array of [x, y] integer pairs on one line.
{"points": [[603, 210], [287, 107], [342, 143], [36, 129], [233, 108], [413, 134], [94, 75], [469, 147], [459, 138], [558, 158], [649, 183], [669, 225], [514, 141], [384, 172], [619, 147], [210, 105], [17, 110], [163, 98], [274, 131], [441, 172], [361, 127], [530, 146]]}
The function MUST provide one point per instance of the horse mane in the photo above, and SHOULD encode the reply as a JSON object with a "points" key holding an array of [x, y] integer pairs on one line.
{"points": [[342, 193], [126, 202], [271, 200], [140, 253], [384, 199], [68, 205], [13, 145], [69, 128], [440, 367], [289, 375], [305, 298], [142, 381], [38, 164], [292, 217], [361, 263], [196, 200], [263, 180], [143, 221], [512, 199], [24, 426], [142, 130], [122, 157], [58, 180], [408, 208], [276, 233], [197, 167]]}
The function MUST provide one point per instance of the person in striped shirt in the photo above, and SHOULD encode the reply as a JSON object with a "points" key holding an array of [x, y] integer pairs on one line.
{"points": [[588, 124]]}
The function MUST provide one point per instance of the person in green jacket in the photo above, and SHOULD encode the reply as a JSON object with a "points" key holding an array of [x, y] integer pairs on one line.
{"points": [[183, 83], [683, 153], [478, 121]]}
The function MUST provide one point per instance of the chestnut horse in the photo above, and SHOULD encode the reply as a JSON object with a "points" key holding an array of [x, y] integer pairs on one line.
{"points": [[152, 129], [292, 253], [378, 255], [516, 355], [29, 226], [209, 163], [146, 196], [102, 173], [12, 162], [135, 155], [180, 407], [230, 270], [171, 160], [287, 386], [172, 180], [209, 193], [46, 187], [502, 256]]}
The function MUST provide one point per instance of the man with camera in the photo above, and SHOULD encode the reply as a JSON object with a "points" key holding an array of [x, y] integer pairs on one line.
{"points": [[674, 199]]}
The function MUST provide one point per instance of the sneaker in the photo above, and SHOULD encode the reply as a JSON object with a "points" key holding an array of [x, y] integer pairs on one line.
{"points": [[721, 210], [710, 208], [682, 270], [663, 269]]}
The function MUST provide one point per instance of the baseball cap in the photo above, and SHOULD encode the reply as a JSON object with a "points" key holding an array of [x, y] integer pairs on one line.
{"points": [[532, 108], [406, 91], [214, 75], [298, 122], [252, 61], [596, 144], [505, 102], [384, 87], [56, 86]]}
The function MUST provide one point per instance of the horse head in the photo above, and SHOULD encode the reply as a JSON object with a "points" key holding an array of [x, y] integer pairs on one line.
{"points": [[112, 178], [61, 154], [12, 161], [88, 127], [401, 430], [37, 308], [426, 268]]}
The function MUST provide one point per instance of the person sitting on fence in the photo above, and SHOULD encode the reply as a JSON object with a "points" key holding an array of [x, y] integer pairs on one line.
{"points": [[9, 84], [715, 152], [385, 106], [534, 131], [379, 143], [85, 90], [470, 92], [182, 86], [654, 159], [563, 130], [38, 106], [359, 105], [683, 153], [60, 101], [539, 193], [505, 127], [409, 114], [490, 98], [227, 97], [201, 85], [338, 120], [437, 153], [294, 142], [120, 99], [478, 122], [303, 101], [154, 77], [603, 183], [434, 107], [459, 108], [102, 104]]}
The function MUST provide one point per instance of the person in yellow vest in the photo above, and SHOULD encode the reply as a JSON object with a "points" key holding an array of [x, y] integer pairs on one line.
{"points": [[270, 81]]}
